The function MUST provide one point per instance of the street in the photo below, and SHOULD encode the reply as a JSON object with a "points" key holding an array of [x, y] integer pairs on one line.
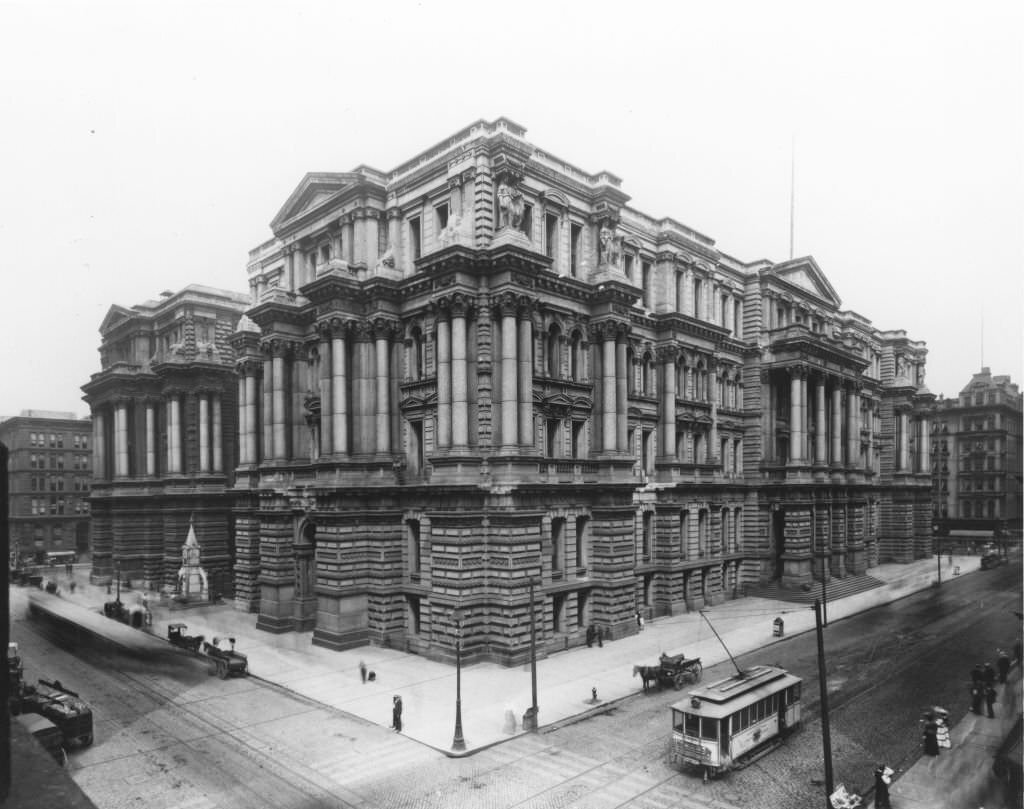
{"points": [[184, 739]]}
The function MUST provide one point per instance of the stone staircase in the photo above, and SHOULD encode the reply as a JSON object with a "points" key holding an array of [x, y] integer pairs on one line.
{"points": [[834, 590]]}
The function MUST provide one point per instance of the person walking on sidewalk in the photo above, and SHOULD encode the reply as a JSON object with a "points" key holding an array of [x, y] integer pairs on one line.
{"points": [[1003, 664], [883, 777], [362, 670], [977, 695], [977, 675], [990, 700], [639, 622], [396, 713], [989, 674]]}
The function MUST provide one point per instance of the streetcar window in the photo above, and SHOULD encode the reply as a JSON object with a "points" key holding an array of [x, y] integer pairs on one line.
{"points": [[677, 720], [744, 718], [775, 704], [709, 728], [692, 724]]}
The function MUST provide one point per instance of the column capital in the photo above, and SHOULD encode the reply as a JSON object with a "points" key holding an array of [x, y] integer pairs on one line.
{"points": [[385, 328], [667, 354]]}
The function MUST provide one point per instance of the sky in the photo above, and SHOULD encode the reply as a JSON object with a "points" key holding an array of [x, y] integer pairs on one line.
{"points": [[147, 145]]}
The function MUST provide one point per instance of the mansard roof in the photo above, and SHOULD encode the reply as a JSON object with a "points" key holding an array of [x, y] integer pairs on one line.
{"points": [[804, 274]]}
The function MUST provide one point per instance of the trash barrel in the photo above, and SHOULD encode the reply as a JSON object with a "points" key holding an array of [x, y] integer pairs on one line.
{"points": [[530, 719], [779, 627]]}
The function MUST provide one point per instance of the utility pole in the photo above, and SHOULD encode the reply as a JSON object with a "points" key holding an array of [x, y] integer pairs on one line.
{"points": [[938, 551], [826, 733], [533, 658]]}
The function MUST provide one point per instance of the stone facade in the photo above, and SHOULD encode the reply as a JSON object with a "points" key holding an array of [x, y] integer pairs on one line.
{"points": [[484, 369], [49, 467], [164, 408]]}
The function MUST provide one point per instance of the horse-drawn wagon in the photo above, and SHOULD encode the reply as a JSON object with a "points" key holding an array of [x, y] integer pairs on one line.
{"points": [[673, 671], [225, 662]]}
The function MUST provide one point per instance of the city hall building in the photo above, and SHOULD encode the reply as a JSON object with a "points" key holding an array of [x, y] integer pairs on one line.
{"points": [[483, 384]]}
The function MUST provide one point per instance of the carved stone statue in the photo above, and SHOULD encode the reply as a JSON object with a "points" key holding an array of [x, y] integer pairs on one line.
{"points": [[609, 244], [510, 205], [387, 260], [452, 232]]}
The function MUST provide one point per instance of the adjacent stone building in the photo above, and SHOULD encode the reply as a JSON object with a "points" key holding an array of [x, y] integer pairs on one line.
{"points": [[164, 436], [484, 373], [977, 456], [50, 470]]}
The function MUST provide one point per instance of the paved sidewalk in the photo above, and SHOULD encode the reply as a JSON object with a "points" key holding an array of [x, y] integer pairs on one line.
{"points": [[564, 680]]}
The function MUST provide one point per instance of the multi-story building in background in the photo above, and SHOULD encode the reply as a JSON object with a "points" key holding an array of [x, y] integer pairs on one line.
{"points": [[977, 457], [164, 437], [483, 381], [50, 466]]}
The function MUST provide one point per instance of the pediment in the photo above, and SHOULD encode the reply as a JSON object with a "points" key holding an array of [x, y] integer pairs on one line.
{"points": [[316, 189], [116, 315], [805, 274]]}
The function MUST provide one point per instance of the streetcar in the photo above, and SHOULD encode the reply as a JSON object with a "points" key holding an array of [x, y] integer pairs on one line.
{"points": [[729, 723]]}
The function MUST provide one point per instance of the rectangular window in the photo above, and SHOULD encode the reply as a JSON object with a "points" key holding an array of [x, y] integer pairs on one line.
{"points": [[708, 728], [692, 724], [415, 245], [627, 266], [441, 211], [698, 291], [575, 245], [60, 441], [645, 271], [53, 441], [551, 236], [577, 439], [527, 226], [85, 442]]}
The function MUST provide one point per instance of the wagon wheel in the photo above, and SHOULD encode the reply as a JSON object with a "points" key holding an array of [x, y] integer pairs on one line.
{"points": [[212, 667], [696, 670], [679, 680], [222, 669]]}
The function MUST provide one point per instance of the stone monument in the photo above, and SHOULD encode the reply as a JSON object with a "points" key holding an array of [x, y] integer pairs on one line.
{"points": [[192, 584]]}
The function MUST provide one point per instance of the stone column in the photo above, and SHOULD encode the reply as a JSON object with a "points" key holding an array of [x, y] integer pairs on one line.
{"points": [[243, 418], [460, 380], [383, 412], [174, 435], [509, 377], [904, 464], [204, 433], [852, 430], [837, 424], [372, 239], [218, 435], [714, 451], [668, 403], [525, 397], [150, 439], [347, 238], [925, 449], [98, 453], [869, 461], [395, 236], [444, 383], [339, 393], [268, 405], [280, 426], [250, 414], [621, 395], [608, 388], [794, 415], [820, 435], [324, 387]]}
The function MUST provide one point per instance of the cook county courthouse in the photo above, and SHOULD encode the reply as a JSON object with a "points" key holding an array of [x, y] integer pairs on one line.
{"points": [[485, 369]]}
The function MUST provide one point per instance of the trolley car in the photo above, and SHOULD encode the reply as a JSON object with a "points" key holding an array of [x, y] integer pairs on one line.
{"points": [[728, 723]]}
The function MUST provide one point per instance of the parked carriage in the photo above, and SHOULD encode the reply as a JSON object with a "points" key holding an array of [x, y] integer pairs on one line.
{"points": [[729, 723], [225, 662], [176, 635]]}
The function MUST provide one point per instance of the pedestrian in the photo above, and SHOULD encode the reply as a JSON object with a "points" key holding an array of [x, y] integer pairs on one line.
{"points": [[977, 693], [1003, 664], [600, 638], [67, 568], [977, 675], [883, 777], [396, 713], [929, 735], [951, 560], [590, 636], [989, 675], [990, 700], [362, 670], [639, 622]]}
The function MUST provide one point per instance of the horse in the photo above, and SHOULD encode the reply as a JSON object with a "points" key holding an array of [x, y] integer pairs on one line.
{"points": [[647, 674]]}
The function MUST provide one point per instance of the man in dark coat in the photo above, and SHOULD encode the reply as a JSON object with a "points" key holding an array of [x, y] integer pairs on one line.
{"points": [[989, 674], [977, 675], [990, 699], [977, 694], [396, 713], [883, 777], [590, 636], [1003, 664]]}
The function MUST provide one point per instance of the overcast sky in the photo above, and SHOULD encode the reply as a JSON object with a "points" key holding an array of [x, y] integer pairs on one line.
{"points": [[147, 146]]}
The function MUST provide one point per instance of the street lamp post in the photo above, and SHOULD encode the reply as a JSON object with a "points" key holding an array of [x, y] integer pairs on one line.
{"points": [[938, 551], [458, 742], [533, 658]]}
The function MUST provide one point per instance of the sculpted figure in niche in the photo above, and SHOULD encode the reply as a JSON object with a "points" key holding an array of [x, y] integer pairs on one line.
{"points": [[609, 245], [510, 205], [452, 231], [387, 259]]}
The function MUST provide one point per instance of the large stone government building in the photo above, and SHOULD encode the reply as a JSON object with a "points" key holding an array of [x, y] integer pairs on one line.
{"points": [[164, 432], [484, 373]]}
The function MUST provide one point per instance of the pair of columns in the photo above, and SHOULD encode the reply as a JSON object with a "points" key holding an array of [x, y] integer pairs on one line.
{"points": [[799, 438], [668, 408], [453, 382], [516, 378]]}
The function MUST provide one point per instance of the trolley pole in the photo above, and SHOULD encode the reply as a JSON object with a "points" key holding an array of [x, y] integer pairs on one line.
{"points": [[938, 551], [826, 733], [533, 658]]}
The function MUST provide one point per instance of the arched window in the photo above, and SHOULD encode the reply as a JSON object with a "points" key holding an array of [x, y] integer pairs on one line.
{"points": [[576, 357], [417, 368], [554, 351], [647, 374]]}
